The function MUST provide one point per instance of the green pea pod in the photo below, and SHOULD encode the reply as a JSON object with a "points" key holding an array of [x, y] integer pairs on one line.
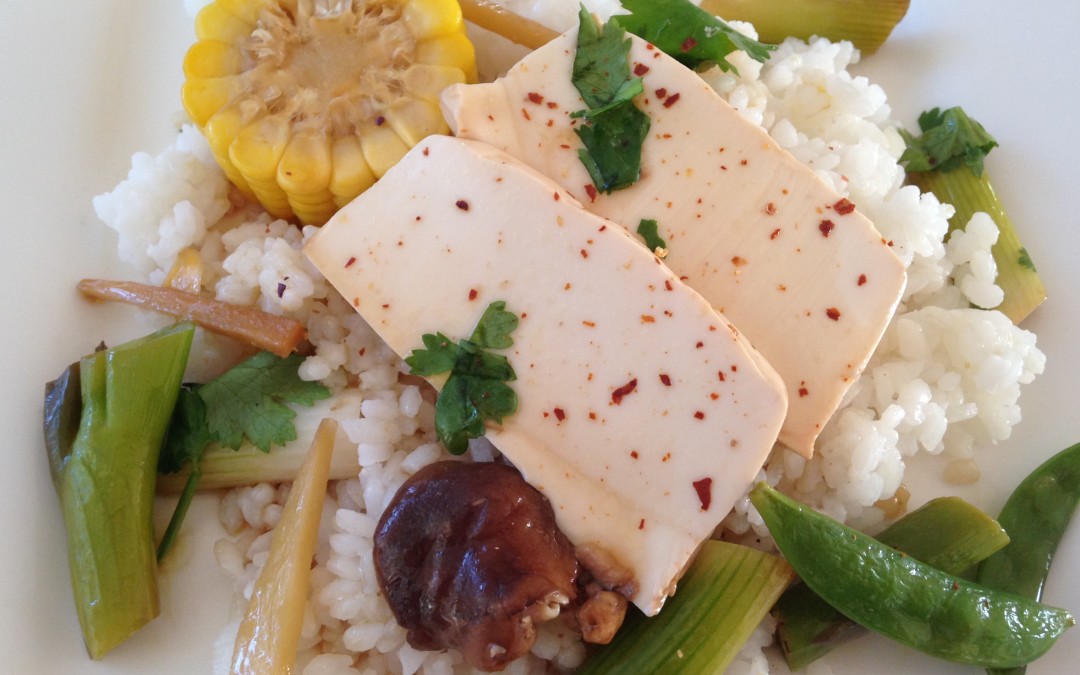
{"points": [[906, 600], [1036, 516]]}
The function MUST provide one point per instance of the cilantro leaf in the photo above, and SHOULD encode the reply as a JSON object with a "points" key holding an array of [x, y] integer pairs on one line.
{"points": [[249, 401], [613, 140], [187, 436], [648, 229], [614, 129], [438, 356], [494, 328], [688, 33], [949, 140], [476, 390]]}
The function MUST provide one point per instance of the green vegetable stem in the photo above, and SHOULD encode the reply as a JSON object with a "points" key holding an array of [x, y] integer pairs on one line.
{"points": [[1036, 517], [104, 473], [947, 160], [867, 23], [947, 533], [721, 599], [913, 603]]}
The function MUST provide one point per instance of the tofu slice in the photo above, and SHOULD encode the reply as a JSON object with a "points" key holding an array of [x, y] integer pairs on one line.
{"points": [[643, 415], [806, 278]]}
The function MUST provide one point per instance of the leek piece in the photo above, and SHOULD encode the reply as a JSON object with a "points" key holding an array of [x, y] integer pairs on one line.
{"points": [[721, 599], [968, 193], [270, 630], [866, 23], [104, 475], [947, 532]]}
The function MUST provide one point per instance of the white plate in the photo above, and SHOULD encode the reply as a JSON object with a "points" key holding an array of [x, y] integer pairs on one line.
{"points": [[84, 85]]}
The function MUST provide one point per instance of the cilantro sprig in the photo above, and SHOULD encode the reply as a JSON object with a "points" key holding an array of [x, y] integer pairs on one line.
{"points": [[950, 139], [649, 230], [247, 401], [689, 34], [476, 390], [614, 129]]}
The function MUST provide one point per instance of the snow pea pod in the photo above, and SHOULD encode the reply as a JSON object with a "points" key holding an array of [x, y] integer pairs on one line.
{"points": [[1036, 516], [904, 599]]}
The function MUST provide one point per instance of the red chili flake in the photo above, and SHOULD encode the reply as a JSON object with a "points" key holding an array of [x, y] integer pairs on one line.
{"points": [[956, 585], [557, 197], [640, 69], [688, 44], [552, 104], [862, 279], [667, 285], [723, 167], [281, 289], [738, 261], [700, 344], [666, 457], [744, 162], [671, 100], [826, 227], [650, 46], [770, 209], [427, 151], [592, 415], [833, 313], [704, 492], [564, 146], [648, 318], [641, 525], [362, 351], [350, 261], [634, 454], [551, 123], [699, 415], [380, 120], [525, 114], [472, 293], [560, 414], [590, 190], [775, 233], [602, 228], [536, 98], [386, 306], [803, 392], [356, 302], [843, 207], [584, 253], [734, 368], [462, 204], [661, 93], [714, 395], [588, 324], [666, 379], [625, 390]]}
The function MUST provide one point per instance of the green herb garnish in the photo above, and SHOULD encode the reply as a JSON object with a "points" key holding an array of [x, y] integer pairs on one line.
{"points": [[1025, 261], [476, 390], [614, 128], [247, 401], [648, 229], [689, 34], [949, 140]]}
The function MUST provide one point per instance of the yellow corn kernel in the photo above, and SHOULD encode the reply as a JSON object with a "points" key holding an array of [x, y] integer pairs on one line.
{"points": [[247, 11], [210, 58], [414, 119], [427, 82], [220, 131], [204, 96], [305, 165], [214, 22], [351, 174], [449, 50], [381, 146], [432, 18], [255, 153]]}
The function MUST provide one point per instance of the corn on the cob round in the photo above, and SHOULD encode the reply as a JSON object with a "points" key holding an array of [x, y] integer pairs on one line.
{"points": [[305, 103]]}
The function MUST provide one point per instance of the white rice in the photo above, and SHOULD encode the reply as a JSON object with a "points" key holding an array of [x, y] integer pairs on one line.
{"points": [[945, 379]]}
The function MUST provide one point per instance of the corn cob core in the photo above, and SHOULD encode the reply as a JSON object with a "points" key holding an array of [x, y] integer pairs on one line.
{"points": [[305, 103]]}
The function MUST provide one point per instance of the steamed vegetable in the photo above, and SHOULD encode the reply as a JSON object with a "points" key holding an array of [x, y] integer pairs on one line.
{"points": [[246, 402], [904, 599], [866, 23], [121, 400], [946, 533], [1036, 517], [476, 389], [268, 635], [305, 104], [511, 26], [947, 159], [721, 599], [275, 334]]}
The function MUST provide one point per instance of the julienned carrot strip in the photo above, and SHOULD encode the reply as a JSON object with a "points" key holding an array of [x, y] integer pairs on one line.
{"points": [[276, 334]]}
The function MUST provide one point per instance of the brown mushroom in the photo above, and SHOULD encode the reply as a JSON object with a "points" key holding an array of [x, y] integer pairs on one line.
{"points": [[468, 556]]}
